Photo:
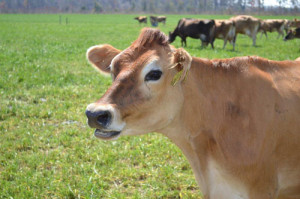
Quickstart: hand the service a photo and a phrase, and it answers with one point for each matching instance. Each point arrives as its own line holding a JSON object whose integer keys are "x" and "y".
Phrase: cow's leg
{"x": 183, "y": 42}
{"x": 264, "y": 192}
{"x": 254, "y": 39}
{"x": 264, "y": 184}
{"x": 212, "y": 44}
{"x": 202, "y": 44}
{"x": 264, "y": 32}
{"x": 280, "y": 33}
{"x": 261, "y": 34}
{"x": 225, "y": 42}
{"x": 233, "y": 45}
{"x": 233, "y": 41}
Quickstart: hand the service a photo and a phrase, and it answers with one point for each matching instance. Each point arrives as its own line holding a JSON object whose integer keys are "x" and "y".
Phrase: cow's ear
{"x": 182, "y": 63}
{"x": 100, "y": 56}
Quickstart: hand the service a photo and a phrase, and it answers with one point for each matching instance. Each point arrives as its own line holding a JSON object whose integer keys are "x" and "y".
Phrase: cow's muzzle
{"x": 105, "y": 120}
{"x": 98, "y": 119}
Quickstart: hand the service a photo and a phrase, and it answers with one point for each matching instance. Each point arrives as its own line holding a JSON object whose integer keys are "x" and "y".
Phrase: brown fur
{"x": 247, "y": 25}
{"x": 236, "y": 120}
{"x": 225, "y": 29}
{"x": 295, "y": 23}
{"x": 271, "y": 25}
{"x": 141, "y": 19}
{"x": 96, "y": 53}
{"x": 148, "y": 38}
{"x": 292, "y": 34}
{"x": 158, "y": 19}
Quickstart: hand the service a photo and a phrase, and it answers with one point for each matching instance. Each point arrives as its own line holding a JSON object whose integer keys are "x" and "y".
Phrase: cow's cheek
{"x": 168, "y": 104}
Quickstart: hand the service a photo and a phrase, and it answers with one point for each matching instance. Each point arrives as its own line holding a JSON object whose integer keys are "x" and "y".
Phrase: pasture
{"x": 46, "y": 148}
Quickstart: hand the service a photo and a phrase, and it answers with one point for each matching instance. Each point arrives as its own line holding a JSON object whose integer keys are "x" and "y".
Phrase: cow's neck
{"x": 177, "y": 134}
{"x": 188, "y": 131}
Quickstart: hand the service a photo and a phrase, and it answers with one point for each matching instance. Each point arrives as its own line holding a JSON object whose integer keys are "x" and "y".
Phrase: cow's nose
{"x": 98, "y": 118}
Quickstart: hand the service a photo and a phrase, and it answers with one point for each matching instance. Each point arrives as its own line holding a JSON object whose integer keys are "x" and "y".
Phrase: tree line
{"x": 149, "y": 6}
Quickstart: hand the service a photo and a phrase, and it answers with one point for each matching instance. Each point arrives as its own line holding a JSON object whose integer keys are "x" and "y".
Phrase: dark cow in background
{"x": 225, "y": 29}
{"x": 272, "y": 25}
{"x": 246, "y": 25}
{"x": 141, "y": 19}
{"x": 157, "y": 19}
{"x": 292, "y": 34}
{"x": 194, "y": 28}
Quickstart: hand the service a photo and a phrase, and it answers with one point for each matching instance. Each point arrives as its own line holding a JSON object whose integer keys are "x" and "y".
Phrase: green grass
{"x": 46, "y": 148}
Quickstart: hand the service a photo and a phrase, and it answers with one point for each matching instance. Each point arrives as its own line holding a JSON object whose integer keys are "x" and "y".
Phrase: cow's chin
{"x": 107, "y": 135}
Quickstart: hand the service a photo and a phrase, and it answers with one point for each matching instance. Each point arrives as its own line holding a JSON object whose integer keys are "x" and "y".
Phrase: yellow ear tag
{"x": 176, "y": 78}
{"x": 180, "y": 76}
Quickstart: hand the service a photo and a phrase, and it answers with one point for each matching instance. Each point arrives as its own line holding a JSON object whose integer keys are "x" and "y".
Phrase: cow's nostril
{"x": 104, "y": 118}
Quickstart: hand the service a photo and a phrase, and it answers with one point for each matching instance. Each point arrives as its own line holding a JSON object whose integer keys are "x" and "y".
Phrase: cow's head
{"x": 172, "y": 37}
{"x": 290, "y": 35}
{"x": 142, "y": 97}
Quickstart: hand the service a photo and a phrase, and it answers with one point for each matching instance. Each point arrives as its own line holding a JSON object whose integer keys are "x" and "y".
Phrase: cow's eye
{"x": 153, "y": 75}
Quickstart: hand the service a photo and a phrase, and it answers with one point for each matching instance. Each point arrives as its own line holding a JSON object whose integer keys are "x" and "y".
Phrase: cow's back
{"x": 246, "y": 24}
{"x": 188, "y": 27}
{"x": 194, "y": 27}
{"x": 275, "y": 24}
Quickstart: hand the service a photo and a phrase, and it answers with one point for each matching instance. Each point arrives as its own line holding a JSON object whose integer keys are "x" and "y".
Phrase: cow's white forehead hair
{"x": 151, "y": 65}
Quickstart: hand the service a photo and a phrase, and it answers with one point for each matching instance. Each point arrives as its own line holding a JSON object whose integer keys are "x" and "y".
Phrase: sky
{"x": 274, "y": 3}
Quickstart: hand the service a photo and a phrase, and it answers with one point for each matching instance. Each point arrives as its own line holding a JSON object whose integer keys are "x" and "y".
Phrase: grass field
{"x": 46, "y": 148}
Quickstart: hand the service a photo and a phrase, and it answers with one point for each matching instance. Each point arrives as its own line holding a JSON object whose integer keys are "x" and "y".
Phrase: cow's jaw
{"x": 107, "y": 135}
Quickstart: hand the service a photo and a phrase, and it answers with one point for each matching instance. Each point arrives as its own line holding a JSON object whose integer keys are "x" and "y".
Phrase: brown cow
{"x": 225, "y": 29}
{"x": 292, "y": 34}
{"x": 141, "y": 19}
{"x": 158, "y": 19}
{"x": 247, "y": 25}
{"x": 236, "y": 120}
{"x": 271, "y": 25}
{"x": 295, "y": 23}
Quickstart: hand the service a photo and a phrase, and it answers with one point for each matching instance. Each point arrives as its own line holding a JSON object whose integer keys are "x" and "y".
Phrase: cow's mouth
{"x": 106, "y": 135}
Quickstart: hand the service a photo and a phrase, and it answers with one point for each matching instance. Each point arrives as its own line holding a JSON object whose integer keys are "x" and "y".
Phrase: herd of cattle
{"x": 207, "y": 30}
{"x": 153, "y": 19}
